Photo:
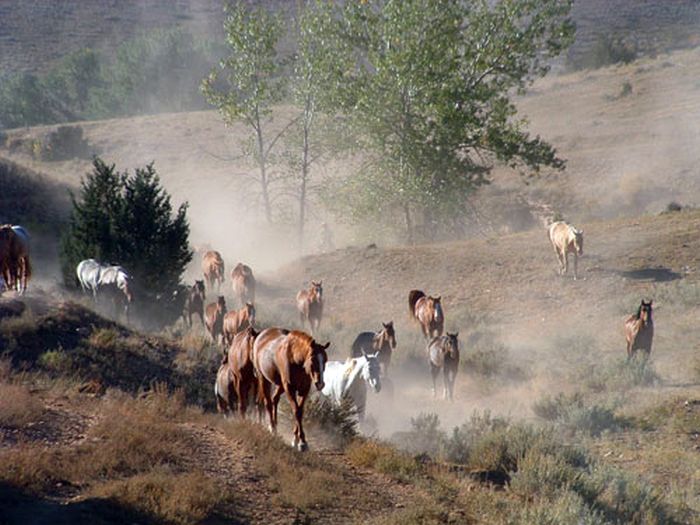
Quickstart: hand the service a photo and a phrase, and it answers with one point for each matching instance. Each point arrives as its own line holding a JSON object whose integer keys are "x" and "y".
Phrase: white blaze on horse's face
{"x": 578, "y": 240}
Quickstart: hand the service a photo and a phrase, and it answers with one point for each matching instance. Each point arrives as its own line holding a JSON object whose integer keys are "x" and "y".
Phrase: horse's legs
{"x": 275, "y": 403}
{"x": 433, "y": 373}
{"x": 575, "y": 266}
{"x": 242, "y": 392}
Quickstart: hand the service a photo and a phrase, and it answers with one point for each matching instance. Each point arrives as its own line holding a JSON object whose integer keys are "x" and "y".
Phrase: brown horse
{"x": 224, "y": 389}
{"x": 194, "y": 303}
{"x": 240, "y": 360}
{"x": 310, "y": 305}
{"x": 214, "y": 318}
{"x": 566, "y": 239}
{"x": 237, "y": 320}
{"x": 382, "y": 342}
{"x": 443, "y": 353}
{"x": 639, "y": 330}
{"x": 428, "y": 312}
{"x": 243, "y": 283}
{"x": 213, "y": 269}
{"x": 15, "y": 265}
{"x": 288, "y": 362}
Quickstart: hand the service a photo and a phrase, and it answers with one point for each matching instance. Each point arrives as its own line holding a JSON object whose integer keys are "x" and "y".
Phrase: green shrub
{"x": 57, "y": 361}
{"x": 566, "y": 508}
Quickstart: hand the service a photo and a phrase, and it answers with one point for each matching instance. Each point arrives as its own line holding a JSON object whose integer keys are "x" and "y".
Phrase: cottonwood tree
{"x": 249, "y": 81}
{"x": 430, "y": 90}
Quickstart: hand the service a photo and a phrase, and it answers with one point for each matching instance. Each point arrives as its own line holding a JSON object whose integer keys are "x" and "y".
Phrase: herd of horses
{"x": 259, "y": 366}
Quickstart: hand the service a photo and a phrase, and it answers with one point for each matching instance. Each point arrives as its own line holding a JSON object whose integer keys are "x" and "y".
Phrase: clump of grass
{"x": 18, "y": 406}
{"x": 174, "y": 498}
{"x": 57, "y": 361}
{"x": 338, "y": 421}
{"x": 104, "y": 339}
{"x": 621, "y": 374}
{"x": 566, "y": 508}
{"x": 485, "y": 357}
{"x": 384, "y": 458}
{"x": 571, "y": 413}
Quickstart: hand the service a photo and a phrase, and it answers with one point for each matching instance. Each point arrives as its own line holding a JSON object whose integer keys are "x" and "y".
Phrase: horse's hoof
{"x": 303, "y": 447}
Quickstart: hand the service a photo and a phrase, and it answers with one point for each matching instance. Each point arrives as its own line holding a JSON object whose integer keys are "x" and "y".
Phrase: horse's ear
{"x": 438, "y": 298}
{"x": 456, "y": 335}
{"x": 326, "y": 345}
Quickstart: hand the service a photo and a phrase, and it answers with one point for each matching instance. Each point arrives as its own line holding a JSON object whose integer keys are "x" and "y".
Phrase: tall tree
{"x": 430, "y": 89}
{"x": 249, "y": 81}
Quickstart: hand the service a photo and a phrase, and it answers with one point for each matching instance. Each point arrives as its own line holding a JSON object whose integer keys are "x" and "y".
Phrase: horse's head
{"x": 644, "y": 312}
{"x": 250, "y": 309}
{"x": 372, "y": 371}
{"x": 452, "y": 347}
{"x": 387, "y": 336}
{"x": 199, "y": 289}
{"x": 437, "y": 308}
{"x": 317, "y": 288}
{"x": 315, "y": 363}
{"x": 578, "y": 241}
{"x": 221, "y": 304}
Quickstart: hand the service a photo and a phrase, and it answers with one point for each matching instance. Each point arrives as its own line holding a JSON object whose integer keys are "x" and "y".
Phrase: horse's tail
{"x": 413, "y": 297}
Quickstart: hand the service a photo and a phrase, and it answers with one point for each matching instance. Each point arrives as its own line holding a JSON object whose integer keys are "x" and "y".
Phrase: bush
{"x": 18, "y": 406}
{"x": 65, "y": 142}
{"x": 573, "y": 415}
{"x": 608, "y": 50}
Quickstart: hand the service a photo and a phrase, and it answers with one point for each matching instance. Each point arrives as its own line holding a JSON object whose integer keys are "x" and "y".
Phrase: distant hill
{"x": 35, "y": 33}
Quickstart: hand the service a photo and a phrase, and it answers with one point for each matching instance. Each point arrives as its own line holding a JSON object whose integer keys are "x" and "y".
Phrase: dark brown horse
{"x": 443, "y": 353}
{"x": 224, "y": 389}
{"x": 243, "y": 283}
{"x": 382, "y": 342}
{"x": 214, "y": 318}
{"x": 428, "y": 312}
{"x": 288, "y": 362}
{"x": 639, "y": 330}
{"x": 310, "y": 305}
{"x": 240, "y": 360}
{"x": 213, "y": 269}
{"x": 237, "y": 320}
{"x": 194, "y": 303}
{"x": 15, "y": 266}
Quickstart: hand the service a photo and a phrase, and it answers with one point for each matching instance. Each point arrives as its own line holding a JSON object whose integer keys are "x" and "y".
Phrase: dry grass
{"x": 384, "y": 458}
{"x": 18, "y": 407}
{"x": 164, "y": 495}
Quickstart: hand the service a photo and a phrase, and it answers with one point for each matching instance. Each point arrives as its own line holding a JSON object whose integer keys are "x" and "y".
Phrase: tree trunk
{"x": 409, "y": 224}
{"x": 263, "y": 171}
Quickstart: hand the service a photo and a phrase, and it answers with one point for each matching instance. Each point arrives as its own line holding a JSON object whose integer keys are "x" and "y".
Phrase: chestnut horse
{"x": 639, "y": 330}
{"x": 443, "y": 353}
{"x": 566, "y": 239}
{"x": 237, "y": 320}
{"x": 243, "y": 283}
{"x": 288, "y": 362}
{"x": 213, "y": 269}
{"x": 428, "y": 312}
{"x": 310, "y": 305}
{"x": 194, "y": 303}
{"x": 240, "y": 361}
{"x": 224, "y": 389}
{"x": 15, "y": 265}
{"x": 214, "y": 318}
{"x": 383, "y": 343}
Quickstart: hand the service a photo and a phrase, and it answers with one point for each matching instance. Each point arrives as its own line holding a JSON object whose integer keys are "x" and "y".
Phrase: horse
{"x": 382, "y": 343}
{"x": 566, "y": 239}
{"x": 224, "y": 389}
{"x": 290, "y": 361}
{"x": 237, "y": 320}
{"x": 240, "y": 361}
{"x": 428, "y": 312}
{"x": 639, "y": 330}
{"x": 194, "y": 303}
{"x": 310, "y": 305}
{"x": 106, "y": 279}
{"x": 243, "y": 283}
{"x": 214, "y": 318}
{"x": 15, "y": 264}
{"x": 351, "y": 378}
{"x": 213, "y": 269}
{"x": 443, "y": 352}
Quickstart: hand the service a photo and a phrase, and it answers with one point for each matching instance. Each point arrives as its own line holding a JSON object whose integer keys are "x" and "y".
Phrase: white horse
{"x": 113, "y": 280}
{"x": 350, "y": 379}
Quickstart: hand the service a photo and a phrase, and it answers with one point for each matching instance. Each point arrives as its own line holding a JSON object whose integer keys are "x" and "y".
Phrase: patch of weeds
{"x": 565, "y": 508}
{"x": 486, "y": 357}
{"x": 56, "y": 361}
{"x": 104, "y": 339}
{"x": 18, "y": 406}
{"x": 621, "y": 374}
{"x": 572, "y": 414}
{"x": 338, "y": 421}
{"x": 383, "y": 458}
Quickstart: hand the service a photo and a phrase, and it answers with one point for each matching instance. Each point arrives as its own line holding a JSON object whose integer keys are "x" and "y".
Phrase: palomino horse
{"x": 194, "y": 303}
{"x": 428, "y": 312}
{"x": 566, "y": 239}
{"x": 224, "y": 389}
{"x": 443, "y": 352}
{"x": 15, "y": 265}
{"x": 237, "y": 320}
{"x": 350, "y": 379}
{"x": 108, "y": 280}
{"x": 240, "y": 361}
{"x": 383, "y": 343}
{"x": 214, "y": 318}
{"x": 639, "y": 330}
{"x": 310, "y": 305}
{"x": 213, "y": 269}
{"x": 289, "y": 362}
{"x": 243, "y": 283}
